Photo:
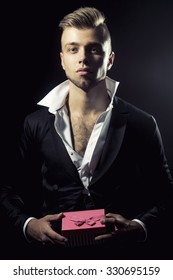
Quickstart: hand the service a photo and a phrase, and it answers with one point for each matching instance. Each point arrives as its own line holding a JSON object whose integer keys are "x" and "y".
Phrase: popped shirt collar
{"x": 56, "y": 98}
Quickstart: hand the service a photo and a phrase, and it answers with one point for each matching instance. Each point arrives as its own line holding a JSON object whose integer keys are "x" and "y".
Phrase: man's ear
{"x": 62, "y": 62}
{"x": 111, "y": 60}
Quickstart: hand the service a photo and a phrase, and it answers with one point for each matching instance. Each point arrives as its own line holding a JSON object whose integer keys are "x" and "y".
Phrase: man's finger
{"x": 56, "y": 237}
{"x": 54, "y": 217}
{"x": 105, "y": 236}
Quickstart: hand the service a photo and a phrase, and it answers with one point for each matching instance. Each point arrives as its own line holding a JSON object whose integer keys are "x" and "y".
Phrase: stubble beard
{"x": 84, "y": 84}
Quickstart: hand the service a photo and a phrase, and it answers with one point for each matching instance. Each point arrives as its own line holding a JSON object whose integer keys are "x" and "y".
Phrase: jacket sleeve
{"x": 19, "y": 194}
{"x": 160, "y": 184}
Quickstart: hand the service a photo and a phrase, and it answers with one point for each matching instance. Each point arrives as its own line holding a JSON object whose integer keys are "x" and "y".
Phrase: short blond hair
{"x": 84, "y": 18}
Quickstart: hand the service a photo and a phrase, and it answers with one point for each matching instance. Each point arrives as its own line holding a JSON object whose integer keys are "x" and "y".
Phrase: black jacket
{"x": 132, "y": 177}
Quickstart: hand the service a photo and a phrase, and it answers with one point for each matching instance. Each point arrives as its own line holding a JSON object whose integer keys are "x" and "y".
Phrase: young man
{"x": 85, "y": 148}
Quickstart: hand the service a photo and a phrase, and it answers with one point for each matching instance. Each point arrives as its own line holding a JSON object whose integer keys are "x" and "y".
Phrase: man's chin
{"x": 84, "y": 84}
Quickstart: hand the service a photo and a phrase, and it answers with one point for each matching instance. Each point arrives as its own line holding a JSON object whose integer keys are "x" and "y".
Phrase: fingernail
{"x": 61, "y": 214}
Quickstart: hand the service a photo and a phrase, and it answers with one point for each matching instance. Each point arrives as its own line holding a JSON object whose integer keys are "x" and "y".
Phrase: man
{"x": 85, "y": 148}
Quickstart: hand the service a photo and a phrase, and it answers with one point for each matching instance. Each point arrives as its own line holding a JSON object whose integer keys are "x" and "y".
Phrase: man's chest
{"x": 81, "y": 130}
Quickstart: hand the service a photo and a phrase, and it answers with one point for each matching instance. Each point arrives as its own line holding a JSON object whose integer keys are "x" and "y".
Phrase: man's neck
{"x": 94, "y": 101}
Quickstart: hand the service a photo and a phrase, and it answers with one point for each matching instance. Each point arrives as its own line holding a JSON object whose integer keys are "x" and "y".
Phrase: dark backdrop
{"x": 30, "y": 66}
{"x": 142, "y": 34}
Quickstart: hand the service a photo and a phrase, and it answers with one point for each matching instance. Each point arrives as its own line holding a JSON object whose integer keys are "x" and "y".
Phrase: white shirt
{"x": 55, "y": 100}
{"x": 86, "y": 164}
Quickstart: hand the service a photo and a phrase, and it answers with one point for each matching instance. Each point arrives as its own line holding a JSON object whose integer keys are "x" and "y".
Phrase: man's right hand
{"x": 41, "y": 230}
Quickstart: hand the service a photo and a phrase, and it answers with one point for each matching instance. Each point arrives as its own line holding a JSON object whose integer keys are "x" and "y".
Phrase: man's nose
{"x": 83, "y": 56}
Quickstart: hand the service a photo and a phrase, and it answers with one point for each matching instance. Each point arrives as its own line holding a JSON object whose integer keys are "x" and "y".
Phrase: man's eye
{"x": 72, "y": 49}
{"x": 96, "y": 50}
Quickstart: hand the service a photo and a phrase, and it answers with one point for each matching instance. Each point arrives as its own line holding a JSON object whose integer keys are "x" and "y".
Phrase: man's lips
{"x": 83, "y": 70}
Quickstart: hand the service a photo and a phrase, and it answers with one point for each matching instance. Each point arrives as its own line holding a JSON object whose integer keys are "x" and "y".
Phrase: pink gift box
{"x": 80, "y": 227}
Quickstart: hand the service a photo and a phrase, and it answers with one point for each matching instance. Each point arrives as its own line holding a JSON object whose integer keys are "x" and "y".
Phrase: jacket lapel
{"x": 114, "y": 139}
{"x": 63, "y": 154}
{"x": 111, "y": 148}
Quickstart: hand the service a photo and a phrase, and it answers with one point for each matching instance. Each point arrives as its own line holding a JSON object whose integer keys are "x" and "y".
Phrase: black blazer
{"x": 132, "y": 177}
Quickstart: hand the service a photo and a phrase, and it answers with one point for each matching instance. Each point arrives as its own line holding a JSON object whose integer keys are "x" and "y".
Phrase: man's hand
{"x": 121, "y": 228}
{"x": 40, "y": 230}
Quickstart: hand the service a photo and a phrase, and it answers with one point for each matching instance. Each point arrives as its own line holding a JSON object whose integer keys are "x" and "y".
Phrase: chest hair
{"x": 81, "y": 129}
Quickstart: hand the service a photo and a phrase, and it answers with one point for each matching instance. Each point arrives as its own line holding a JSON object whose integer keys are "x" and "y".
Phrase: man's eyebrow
{"x": 77, "y": 44}
{"x": 72, "y": 44}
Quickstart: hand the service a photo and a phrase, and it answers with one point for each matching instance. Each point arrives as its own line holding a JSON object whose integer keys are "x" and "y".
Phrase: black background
{"x": 142, "y": 34}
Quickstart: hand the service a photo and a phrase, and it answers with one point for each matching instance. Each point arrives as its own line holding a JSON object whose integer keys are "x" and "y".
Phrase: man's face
{"x": 85, "y": 56}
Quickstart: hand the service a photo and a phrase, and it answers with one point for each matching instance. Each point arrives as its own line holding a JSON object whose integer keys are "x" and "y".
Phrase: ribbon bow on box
{"x": 89, "y": 221}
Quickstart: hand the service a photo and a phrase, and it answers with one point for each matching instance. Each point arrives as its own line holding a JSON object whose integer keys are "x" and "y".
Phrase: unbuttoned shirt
{"x": 55, "y": 100}
{"x": 86, "y": 164}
